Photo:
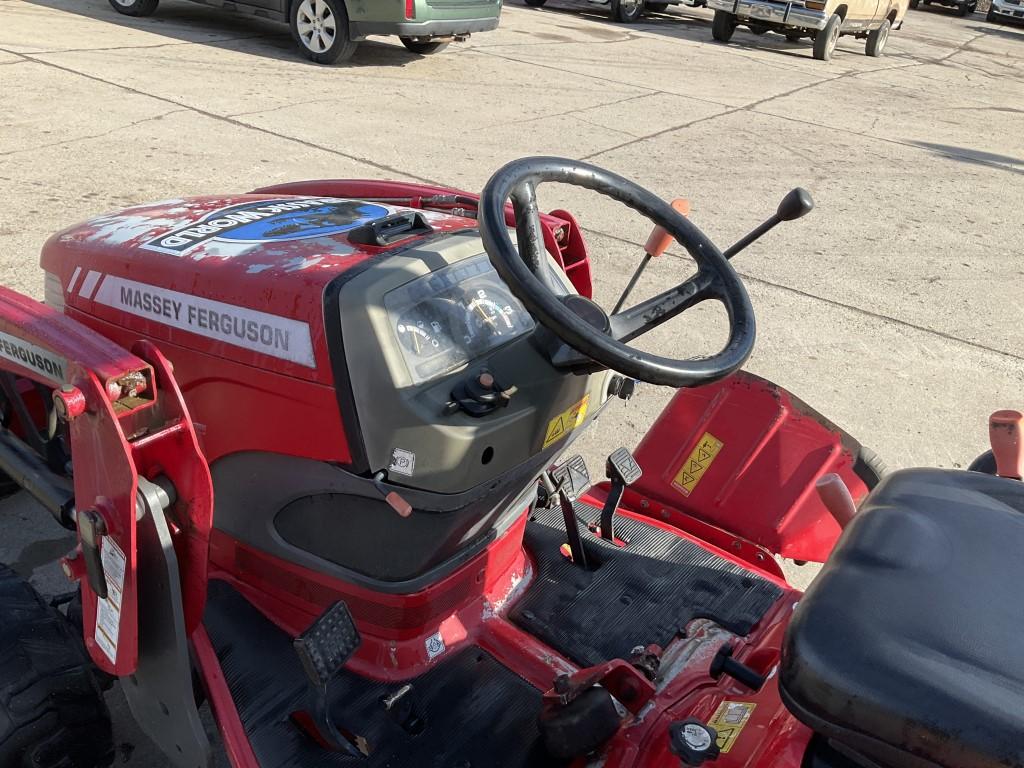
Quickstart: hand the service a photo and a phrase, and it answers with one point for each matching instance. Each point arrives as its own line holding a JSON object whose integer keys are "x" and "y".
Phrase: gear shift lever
{"x": 1006, "y": 434}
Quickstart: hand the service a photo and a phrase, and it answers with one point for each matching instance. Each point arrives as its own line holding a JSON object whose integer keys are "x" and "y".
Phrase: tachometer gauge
{"x": 490, "y": 313}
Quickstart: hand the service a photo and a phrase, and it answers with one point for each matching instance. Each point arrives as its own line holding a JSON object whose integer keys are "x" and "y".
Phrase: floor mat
{"x": 642, "y": 594}
{"x": 475, "y": 712}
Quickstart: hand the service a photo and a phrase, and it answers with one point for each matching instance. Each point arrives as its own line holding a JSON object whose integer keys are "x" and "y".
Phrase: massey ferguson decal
{"x": 262, "y": 221}
{"x": 268, "y": 334}
{"x": 31, "y": 356}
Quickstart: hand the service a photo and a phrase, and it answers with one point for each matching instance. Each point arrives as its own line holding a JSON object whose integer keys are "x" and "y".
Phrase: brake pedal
{"x": 323, "y": 649}
{"x": 571, "y": 480}
{"x": 622, "y": 470}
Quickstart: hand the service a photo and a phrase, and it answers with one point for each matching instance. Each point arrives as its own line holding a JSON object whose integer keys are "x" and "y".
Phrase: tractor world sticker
{"x": 696, "y": 464}
{"x": 261, "y": 332}
{"x": 262, "y": 221}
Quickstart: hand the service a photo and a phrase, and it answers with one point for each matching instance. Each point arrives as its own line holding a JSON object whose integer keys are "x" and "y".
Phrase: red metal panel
{"x": 759, "y": 484}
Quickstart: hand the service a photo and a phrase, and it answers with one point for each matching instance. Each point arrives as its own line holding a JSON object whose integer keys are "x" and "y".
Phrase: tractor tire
{"x": 869, "y": 467}
{"x": 320, "y": 27}
{"x": 424, "y": 48}
{"x": 826, "y": 39}
{"x": 656, "y": 7}
{"x": 627, "y": 11}
{"x": 135, "y": 7}
{"x": 722, "y": 26}
{"x": 52, "y": 714}
{"x": 876, "y": 39}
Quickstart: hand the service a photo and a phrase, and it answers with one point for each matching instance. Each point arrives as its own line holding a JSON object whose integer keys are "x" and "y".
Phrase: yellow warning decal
{"x": 566, "y": 421}
{"x": 697, "y": 463}
{"x": 728, "y": 722}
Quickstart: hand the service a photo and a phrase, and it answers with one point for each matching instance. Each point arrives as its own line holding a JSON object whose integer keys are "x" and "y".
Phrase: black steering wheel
{"x": 579, "y": 322}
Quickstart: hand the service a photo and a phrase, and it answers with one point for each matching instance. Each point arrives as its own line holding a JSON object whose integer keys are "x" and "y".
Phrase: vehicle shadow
{"x": 974, "y": 156}
{"x": 1011, "y": 30}
{"x": 184, "y": 22}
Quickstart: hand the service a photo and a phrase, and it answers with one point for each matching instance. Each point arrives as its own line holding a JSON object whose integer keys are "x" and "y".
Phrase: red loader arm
{"x": 128, "y": 428}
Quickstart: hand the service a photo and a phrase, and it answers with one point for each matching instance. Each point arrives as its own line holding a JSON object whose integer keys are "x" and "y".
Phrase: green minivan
{"x": 328, "y": 31}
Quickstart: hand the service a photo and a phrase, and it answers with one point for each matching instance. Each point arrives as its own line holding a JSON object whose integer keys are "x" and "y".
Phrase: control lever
{"x": 621, "y": 468}
{"x": 1006, "y": 435}
{"x": 796, "y": 204}
{"x": 657, "y": 243}
{"x": 836, "y": 497}
{"x": 393, "y": 499}
{"x": 571, "y": 480}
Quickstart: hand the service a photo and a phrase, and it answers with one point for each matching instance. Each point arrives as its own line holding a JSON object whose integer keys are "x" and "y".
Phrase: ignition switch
{"x": 479, "y": 395}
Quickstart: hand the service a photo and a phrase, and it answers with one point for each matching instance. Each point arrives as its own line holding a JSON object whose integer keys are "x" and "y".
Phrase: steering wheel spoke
{"x": 637, "y": 320}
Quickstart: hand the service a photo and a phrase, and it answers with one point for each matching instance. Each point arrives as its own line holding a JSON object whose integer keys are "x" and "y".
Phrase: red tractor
{"x": 306, "y": 438}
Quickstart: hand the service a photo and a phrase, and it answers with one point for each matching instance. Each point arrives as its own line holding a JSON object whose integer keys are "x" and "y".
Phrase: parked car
{"x": 628, "y": 11}
{"x": 823, "y": 21}
{"x": 963, "y": 7}
{"x": 328, "y": 31}
{"x": 1003, "y": 10}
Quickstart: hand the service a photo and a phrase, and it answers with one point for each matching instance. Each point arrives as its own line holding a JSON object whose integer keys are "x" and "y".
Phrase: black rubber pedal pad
{"x": 328, "y": 643}
{"x": 572, "y": 477}
{"x": 623, "y": 467}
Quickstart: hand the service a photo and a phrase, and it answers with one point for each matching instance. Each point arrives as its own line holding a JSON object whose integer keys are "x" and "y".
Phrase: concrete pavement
{"x": 894, "y": 308}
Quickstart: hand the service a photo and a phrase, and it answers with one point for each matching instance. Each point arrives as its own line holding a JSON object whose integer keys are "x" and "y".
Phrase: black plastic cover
{"x": 909, "y": 646}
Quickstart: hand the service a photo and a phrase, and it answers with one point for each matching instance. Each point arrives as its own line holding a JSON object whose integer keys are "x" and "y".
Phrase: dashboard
{"x": 447, "y": 318}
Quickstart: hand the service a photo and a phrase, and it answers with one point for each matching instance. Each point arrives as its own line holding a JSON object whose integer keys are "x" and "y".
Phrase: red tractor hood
{"x": 239, "y": 277}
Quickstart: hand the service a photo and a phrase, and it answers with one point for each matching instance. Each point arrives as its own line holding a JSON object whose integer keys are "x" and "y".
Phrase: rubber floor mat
{"x": 475, "y": 712}
{"x": 637, "y": 595}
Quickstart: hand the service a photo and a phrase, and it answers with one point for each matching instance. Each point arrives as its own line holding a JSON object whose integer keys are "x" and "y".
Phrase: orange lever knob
{"x": 660, "y": 240}
{"x": 836, "y": 497}
{"x": 1006, "y": 435}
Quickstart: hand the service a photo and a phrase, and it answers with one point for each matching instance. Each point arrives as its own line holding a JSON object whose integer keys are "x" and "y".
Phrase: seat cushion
{"x": 909, "y": 646}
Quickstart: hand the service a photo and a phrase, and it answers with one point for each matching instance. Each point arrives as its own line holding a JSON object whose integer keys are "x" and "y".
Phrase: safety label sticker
{"x": 729, "y": 720}
{"x": 31, "y": 356}
{"x": 262, "y": 221}
{"x": 273, "y": 335}
{"x": 403, "y": 462}
{"x": 566, "y": 421}
{"x": 435, "y": 645}
{"x": 696, "y": 464}
{"x": 108, "y": 611}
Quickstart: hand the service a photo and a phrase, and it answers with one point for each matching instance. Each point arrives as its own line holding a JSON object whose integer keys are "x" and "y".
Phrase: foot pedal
{"x": 571, "y": 480}
{"x": 327, "y": 644}
{"x": 622, "y": 469}
{"x": 323, "y": 649}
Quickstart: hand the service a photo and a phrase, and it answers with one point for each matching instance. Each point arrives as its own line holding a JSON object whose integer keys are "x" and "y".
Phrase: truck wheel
{"x": 876, "y": 39}
{"x": 424, "y": 47}
{"x": 914, "y": 3}
{"x": 826, "y": 39}
{"x": 722, "y": 26}
{"x": 964, "y": 10}
{"x": 627, "y": 11}
{"x": 990, "y": 17}
{"x": 656, "y": 7}
{"x": 320, "y": 27}
{"x": 135, "y": 7}
{"x": 52, "y": 714}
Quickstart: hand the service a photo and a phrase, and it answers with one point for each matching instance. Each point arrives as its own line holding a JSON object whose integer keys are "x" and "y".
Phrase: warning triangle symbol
{"x": 688, "y": 478}
{"x": 694, "y": 466}
{"x": 703, "y": 454}
{"x": 556, "y": 430}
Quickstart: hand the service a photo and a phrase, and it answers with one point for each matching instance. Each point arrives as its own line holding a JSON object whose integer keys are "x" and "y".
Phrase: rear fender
{"x": 743, "y": 454}
{"x": 126, "y": 420}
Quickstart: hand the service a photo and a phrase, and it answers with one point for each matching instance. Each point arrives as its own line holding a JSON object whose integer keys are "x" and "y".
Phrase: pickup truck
{"x": 823, "y": 21}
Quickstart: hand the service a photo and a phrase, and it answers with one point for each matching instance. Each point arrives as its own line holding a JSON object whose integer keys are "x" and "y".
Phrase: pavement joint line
{"x": 154, "y": 46}
{"x": 839, "y": 304}
{"x": 578, "y": 110}
{"x": 229, "y": 120}
{"x": 77, "y": 139}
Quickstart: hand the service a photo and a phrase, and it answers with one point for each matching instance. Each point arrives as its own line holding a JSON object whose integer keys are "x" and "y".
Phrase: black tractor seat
{"x": 908, "y": 649}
